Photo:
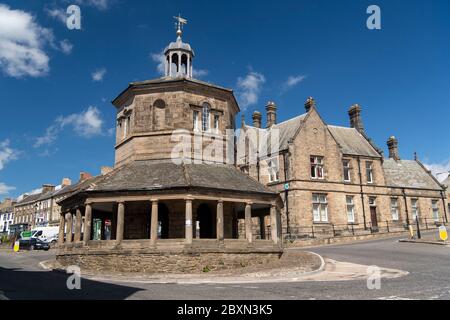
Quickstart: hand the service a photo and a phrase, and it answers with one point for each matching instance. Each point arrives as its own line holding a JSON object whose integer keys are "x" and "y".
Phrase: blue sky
{"x": 56, "y": 89}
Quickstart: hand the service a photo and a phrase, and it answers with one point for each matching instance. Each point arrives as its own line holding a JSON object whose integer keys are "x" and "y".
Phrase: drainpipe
{"x": 406, "y": 206}
{"x": 362, "y": 193}
{"x": 286, "y": 195}
{"x": 445, "y": 207}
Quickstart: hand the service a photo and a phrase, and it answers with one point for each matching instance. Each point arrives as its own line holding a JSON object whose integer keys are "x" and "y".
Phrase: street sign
{"x": 286, "y": 186}
{"x": 443, "y": 233}
{"x": 26, "y": 234}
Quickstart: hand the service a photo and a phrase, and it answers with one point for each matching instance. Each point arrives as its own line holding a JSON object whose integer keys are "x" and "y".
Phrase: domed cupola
{"x": 179, "y": 55}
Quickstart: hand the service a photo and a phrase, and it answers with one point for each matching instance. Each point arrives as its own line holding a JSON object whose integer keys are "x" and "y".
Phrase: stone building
{"x": 6, "y": 215}
{"x": 163, "y": 210}
{"x": 332, "y": 176}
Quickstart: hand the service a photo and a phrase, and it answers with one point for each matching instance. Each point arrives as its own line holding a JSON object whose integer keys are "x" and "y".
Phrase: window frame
{"x": 320, "y": 201}
{"x": 347, "y": 169}
{"x": 415, "y": 211}
{"x": 369, "y": 172}
{"x": 395, "y": 214}
{"x": 350, "y": 205}
{"x": 195, "y": 120}
{"x": 317, "y": 167}
{"x": 206, "y": 117}
{"x": 216, "y": 121}
{"x": 435, "y": 210}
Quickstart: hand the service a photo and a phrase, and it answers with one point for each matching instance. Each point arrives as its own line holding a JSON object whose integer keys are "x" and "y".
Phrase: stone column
{"x": 154, "y": 223}
{"x": 219, "y": 220}
{"x": 248, "y": 222}
{"x": 274, "y": 223}
{"x": 87, "y": 223}
{"x": 62, "y": 224}
{"x": 170, "y": 65}
{"x": 120, "y": 222}
{"x": 69, "y": 227}
{"x": 188, "y": 66}
{"x": 78, "y": 217}
{"x": 189, "y": 222}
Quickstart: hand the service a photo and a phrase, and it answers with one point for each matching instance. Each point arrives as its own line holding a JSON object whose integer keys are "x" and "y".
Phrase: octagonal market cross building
{"x": 154, "y": 213}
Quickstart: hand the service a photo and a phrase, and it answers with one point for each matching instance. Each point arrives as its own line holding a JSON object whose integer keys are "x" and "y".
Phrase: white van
{"x": 46, "y": 234}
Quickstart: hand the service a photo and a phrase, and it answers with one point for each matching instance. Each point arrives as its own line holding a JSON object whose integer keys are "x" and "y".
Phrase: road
{"x": 428, "y": 267}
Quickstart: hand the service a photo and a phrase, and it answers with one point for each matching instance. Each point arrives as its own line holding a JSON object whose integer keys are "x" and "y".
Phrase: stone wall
{"x": 165, "y": 262}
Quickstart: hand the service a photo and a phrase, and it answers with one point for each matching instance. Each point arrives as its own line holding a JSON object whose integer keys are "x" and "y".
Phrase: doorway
{"x": 207, "y": 222}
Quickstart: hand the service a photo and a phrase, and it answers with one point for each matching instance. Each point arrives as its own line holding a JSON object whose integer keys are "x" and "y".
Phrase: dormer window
{"x": 206, "y": 110}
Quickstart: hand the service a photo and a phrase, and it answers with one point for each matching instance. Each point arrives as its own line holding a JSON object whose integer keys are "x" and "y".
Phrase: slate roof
{"x": 408, "y": 174}
{"x": 352, "y": 142}
{"x": 148, "y": 175}
{"x": 447, "y": 184}
{"x": 287, "y": 130}
{"x": 29, "y": 199}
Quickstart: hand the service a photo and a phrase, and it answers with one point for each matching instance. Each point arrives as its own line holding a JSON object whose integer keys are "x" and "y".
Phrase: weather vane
{"x": 179, "y": 24}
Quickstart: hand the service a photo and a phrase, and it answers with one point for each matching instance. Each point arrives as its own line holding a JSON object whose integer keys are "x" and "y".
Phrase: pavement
{"x": 406, "y": 270}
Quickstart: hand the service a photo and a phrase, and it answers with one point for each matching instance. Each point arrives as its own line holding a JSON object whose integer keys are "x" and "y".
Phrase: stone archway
{"x": 207, "y": 222}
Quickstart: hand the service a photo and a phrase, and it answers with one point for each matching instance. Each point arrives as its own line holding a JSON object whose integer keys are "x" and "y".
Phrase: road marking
{"x": 2, "y": 296}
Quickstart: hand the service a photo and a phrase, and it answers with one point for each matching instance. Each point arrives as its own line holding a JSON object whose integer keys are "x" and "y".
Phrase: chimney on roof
{"x": 84, "y": 176}
{"x": 105, "y": 170}
{"x": 271, "y": 112}
{"x": 257, "y": 118}
{"x": 355, "y": 118}
{"x": 393, "y": 148}
{"x": 46, "y": 188}
{"x": 242, "y": 120}
{"x": 66, "y": 182}
{"x": 310, "y": 102}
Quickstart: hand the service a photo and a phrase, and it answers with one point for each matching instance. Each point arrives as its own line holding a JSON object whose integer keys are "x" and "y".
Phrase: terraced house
{"x": 333, "y": 177}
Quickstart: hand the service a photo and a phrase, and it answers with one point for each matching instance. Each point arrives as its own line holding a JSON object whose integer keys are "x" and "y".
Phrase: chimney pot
{"x": 393, "y": 148}
{"x": 84, "y": 176}
{"x": 355, "y": 118}
{"x": 257, "y": 117}
{"x": 105, "y": 170}
{"x": 271, "y": 112}
{"x": 66, "y": 182}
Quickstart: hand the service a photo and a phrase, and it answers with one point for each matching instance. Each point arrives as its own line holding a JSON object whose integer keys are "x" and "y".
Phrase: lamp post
{"x": 443, "y": 195}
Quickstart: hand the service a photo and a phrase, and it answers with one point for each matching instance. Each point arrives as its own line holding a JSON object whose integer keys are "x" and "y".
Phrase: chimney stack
{"x": 271, "y": 112}
{"x": 257, "y": 117}
{"x": 84, "y": 176}
{"x": 46, "y": 188}
{"x": 66, "y": 182}
{"x": 393, "y": 148}
{"x": 310, "y": 102}
{"x": 355, "y": 118}
{"x": 105, "y": 170}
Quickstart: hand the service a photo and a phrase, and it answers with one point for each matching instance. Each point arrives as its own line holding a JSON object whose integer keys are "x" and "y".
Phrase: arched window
{"x": 205, "y": 116}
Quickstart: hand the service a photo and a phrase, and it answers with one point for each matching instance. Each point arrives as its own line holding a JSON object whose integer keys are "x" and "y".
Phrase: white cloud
{"x": 21, "y": 44}
{"x": 98, "y": 75}
{"x": 7, "y": 153}
{"x": 292, "y": 81}
{"x": 65, "y": 46}
{"x": 5, "y": 189}
{"x": 58, "y": 14}
{"x": 199, "y": 73}
{"x": 99, "y": 4}
{"x": 87, "y": 124}
{"x": 439, "y": 170}
{"x": 249, "y": 88}
{"x": 160, "y": 60}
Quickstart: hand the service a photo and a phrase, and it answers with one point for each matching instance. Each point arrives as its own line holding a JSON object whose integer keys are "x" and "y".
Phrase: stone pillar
{"x": 274, "y": 223}
{"x": 87, "y": 223}
{"x": 189, "y": 222}
{"x": 62, "y": 224}
{"x": 154, "y": 223}
{"x": 219, "y": 220}
{"x": 248, "y": 223}
{"x": 188, "y": 66}
{"x": 120, "y": 222}
{"x": 69, "y": 227}
{"x": 170, "y": 65}
{"x": 78, "y": 222}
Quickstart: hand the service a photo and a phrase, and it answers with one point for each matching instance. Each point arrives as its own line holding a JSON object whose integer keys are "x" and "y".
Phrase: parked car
{"x": 33, "y": 244}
